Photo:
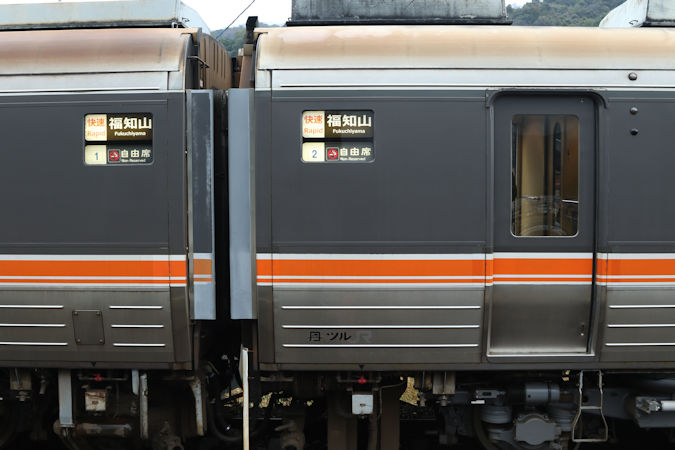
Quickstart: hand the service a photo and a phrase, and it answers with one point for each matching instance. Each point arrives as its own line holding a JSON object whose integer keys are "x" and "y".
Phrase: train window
{"x": 545, "y": 175}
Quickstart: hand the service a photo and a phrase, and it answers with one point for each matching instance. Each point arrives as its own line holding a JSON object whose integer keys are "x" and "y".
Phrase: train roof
{"x": 99, "y": 14}
{"x": 465, "y": 47}
{"x": 136, "y": 58}
{"x": 86, "y": 51}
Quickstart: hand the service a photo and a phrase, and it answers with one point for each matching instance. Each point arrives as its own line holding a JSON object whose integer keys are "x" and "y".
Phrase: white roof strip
{"x": 465, "y": 47}
{"x": 117, "y": 13}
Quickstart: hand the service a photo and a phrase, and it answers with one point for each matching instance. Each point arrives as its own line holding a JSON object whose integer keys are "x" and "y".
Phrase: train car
{"x": 111, "y": 119}
{"x": 477, "y": 215}
{"x": 485, "y": 209}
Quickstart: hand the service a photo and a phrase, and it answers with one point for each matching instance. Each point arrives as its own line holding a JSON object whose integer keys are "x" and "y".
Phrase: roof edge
{"x": 100, "y": 14}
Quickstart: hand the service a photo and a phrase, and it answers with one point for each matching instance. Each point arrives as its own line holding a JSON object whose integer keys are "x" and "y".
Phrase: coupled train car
{"x": 481, "y": 205}
{"x": 479, "y": 216}
{"x": 107, "y": 261}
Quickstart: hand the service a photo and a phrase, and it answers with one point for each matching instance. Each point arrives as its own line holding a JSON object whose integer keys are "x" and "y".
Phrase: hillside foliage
{"x": 585, "y": 13}
{"x": 233, "y": 38}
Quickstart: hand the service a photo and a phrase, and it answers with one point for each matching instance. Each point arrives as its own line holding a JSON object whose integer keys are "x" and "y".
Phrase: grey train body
{"x": 475, "y": 215}
{"x": 508, "y": 229}
{"x": 107, "y": 251}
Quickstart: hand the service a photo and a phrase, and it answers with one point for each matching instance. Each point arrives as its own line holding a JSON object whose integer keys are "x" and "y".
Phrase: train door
{"x": 544, "y": 214}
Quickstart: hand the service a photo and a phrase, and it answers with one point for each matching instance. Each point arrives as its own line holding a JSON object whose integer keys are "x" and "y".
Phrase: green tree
{"x": 585, "y": 13}
{"x": 234, "y": 38}
{"x": 234, "y": 41}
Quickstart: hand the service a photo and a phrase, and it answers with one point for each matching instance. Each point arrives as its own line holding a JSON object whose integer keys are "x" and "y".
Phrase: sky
{"x": 220, "y": 13}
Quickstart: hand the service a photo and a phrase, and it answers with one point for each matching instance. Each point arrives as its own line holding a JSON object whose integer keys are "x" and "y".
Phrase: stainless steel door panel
{"x": 548, "y": 325}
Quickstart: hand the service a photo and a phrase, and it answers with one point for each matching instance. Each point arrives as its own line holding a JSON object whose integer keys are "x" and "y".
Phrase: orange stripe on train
{"x": 504, "y": 269}
{"x": 318, "y": 267}
{"x": 370, "y": 281}
{"x": 552, "y": 266}
{"x": 628, "y": 267}
{"x": 85, "y": 281}
{"x": 129, "y": 268}
{"x": 202, "y": 267}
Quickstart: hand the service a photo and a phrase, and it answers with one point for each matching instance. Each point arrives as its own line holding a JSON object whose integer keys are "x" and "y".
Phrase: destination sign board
{"x": 118, "y": 127}
{"x": 335, "y": 136}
